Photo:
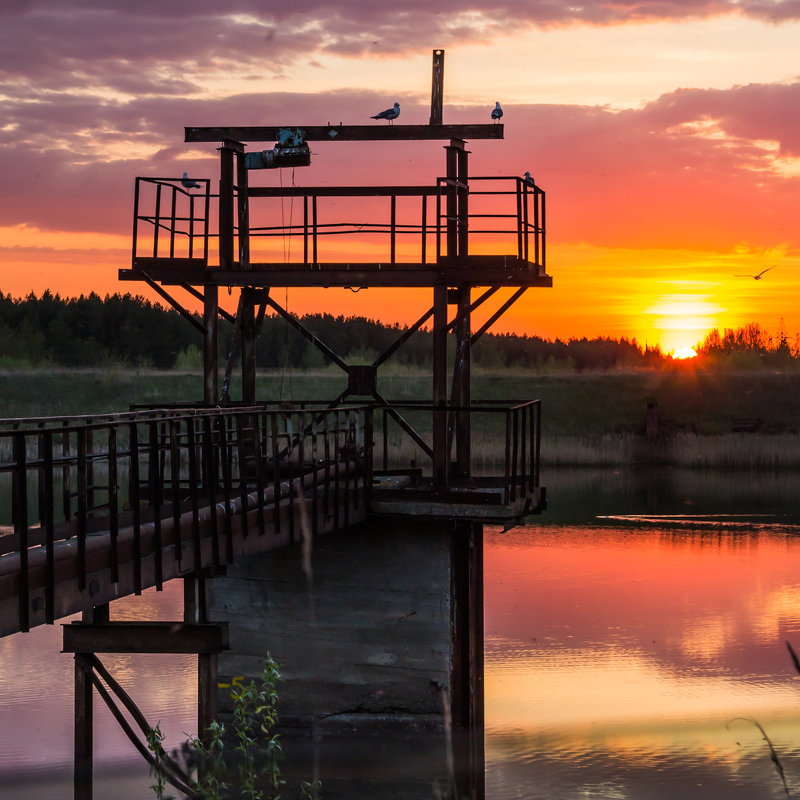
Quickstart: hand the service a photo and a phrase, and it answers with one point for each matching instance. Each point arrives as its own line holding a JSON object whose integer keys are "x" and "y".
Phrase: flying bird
{"x": 497, "y": 112}
{"x": 760, "y": 274}
{"x": 389, "y": 114}
{"x": 529, "y": 179}
{"x": 189, "y": 183}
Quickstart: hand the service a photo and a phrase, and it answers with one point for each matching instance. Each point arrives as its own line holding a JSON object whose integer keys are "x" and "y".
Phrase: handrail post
{"x": 20, "y": 513}
{"x": 135, "y": 220}
{"x": 369, "y": 447}
{"x": 393, "y": 229}
{"x": 538, "y": 443}
{"x": 507, "y": 460}
{"x": 47, "y": 522}
{"x": 157, "y": 220}
{"x": 385, "y": 440}
{"x": 113, "y": 504}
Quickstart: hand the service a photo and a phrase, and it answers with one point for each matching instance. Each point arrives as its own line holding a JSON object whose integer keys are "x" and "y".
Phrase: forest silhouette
{"x": 128, "y": 330}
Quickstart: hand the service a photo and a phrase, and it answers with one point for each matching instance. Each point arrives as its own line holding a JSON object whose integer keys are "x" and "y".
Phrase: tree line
{"x": 129, "y": 330}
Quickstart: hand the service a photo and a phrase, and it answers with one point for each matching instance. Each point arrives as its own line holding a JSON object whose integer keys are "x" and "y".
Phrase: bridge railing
{"x": 504, "y": 446}
{"x": 505, "y": 442}
{"x": 147, "y": 481}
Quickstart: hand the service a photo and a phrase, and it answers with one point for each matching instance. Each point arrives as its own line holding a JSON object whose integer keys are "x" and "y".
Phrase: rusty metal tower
{"x": 174, "y": 246}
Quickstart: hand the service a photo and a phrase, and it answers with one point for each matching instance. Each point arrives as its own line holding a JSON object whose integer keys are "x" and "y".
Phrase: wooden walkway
{"x": 100, "y": 507}
{"x": 107, "y": 506}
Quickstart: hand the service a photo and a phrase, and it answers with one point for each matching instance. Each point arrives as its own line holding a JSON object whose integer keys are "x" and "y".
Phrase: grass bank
{"x": 592, "y": 419}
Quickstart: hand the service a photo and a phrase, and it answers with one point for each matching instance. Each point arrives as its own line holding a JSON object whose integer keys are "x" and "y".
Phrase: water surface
{"x": 632, "y": 634}
{"x": 629, "y": 652}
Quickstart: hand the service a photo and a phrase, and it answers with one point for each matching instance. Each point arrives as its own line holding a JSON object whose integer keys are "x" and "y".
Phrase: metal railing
{"x": 505, "y": 441}
{"x": 170, "y": 220}
{"x": 171, "y": 223}
{"x": 510, "y": 438}
{"x": 167, "y": 484}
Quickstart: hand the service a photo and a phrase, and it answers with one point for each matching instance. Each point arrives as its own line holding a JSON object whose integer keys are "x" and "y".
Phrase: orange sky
{"x": 666, "y": 136}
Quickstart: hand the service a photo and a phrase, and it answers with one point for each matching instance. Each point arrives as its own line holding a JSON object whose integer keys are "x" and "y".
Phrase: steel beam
{"x": 185, "y": 313}
{"x": 145, "y": 637}
{"x": 344, "y": 133}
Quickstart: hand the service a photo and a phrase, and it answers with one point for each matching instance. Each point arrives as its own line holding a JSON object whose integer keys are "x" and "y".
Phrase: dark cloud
{"x": 156, "y": 47}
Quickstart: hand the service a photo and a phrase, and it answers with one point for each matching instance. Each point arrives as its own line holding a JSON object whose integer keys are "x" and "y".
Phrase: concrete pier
{"x": 365, "y": 633}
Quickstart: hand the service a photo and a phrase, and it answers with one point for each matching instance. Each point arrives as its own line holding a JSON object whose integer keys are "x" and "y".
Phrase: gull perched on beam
{"x": 529, "y": 179}
{"x": 760, "y": 274}
{"x": 389, "y": 114}
{"x": 189, "y": 183}
{"x": 497, "y": 112}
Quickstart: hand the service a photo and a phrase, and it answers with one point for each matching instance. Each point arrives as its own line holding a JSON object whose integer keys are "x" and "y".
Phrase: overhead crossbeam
{"x": 344, "y": 133}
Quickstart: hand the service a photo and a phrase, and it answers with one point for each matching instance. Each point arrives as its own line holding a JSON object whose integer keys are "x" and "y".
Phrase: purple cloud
{"x": 156, "y": 47}
{"x": 649, "y": 177}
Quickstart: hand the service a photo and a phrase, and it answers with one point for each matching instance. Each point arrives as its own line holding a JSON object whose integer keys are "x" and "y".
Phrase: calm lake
{"x": 635, "y": 641}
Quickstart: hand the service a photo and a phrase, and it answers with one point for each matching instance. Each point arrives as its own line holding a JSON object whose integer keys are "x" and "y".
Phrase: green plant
{"x": 154, "y": 738}
{"x": 256, "y": 750}
{"x": 208, "y": 755}
{"x": 255, "y": 714}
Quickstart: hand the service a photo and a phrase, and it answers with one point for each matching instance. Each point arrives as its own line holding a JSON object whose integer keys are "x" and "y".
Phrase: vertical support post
{"x": 441, "y": 455}
{"x": 437, "y": 87}
{"x": 462, "y": 169}
{"x": 243, "y": 210}
{"x": 84, "y": 716}
{"x": 195, "y": 611}
{"x": 466, "y": 678}
{"x": 19, "y": 511}
{"x": 461, "y": 381}
{"x": 84, "y": 724}
{"x": 248, "y": 330}
{"x": 210, "y": 344}
{"x": 226, "y": 153}
{"x": 451, "y": 199}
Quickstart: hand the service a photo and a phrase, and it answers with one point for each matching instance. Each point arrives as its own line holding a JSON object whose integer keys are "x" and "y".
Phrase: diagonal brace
{"x": 174, "y": 303}
{"x": 303, "y": 331}
{"x": 497, "y": 314}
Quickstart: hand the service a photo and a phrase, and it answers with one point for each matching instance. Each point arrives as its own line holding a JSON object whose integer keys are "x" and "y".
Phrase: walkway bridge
{"x": 99, "y": 507}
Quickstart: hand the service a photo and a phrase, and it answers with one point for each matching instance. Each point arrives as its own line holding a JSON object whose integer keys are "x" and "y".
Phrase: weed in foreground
{"x": 200, "y": 765}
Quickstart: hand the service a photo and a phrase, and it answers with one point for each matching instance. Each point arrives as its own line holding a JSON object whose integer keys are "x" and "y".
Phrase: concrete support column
{"x": 466, "y": 678}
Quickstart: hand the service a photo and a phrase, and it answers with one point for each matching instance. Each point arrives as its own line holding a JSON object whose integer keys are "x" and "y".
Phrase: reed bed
{"x": 731, "y": 450}
{"x": 728, "y": 451}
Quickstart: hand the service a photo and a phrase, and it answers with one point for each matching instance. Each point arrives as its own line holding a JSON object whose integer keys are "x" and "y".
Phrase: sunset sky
{"x": 666, "y": 134}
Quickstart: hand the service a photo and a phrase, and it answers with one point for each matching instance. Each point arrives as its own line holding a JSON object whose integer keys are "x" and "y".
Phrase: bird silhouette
{"x": 389, "y": 114}
{"x": 529, "y": 179}
{"x": 497, "y": 112}
{"x": 760, "y": 274}
{"x": 189, "y": 183}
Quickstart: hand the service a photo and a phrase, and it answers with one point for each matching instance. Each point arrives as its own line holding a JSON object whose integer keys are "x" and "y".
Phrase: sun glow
{"x": 684, "y": 352}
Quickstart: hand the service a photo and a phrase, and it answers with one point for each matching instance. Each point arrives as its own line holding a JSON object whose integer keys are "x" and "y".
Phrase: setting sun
{"x": 684, "y": 352}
